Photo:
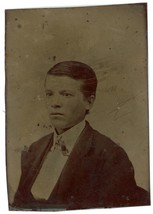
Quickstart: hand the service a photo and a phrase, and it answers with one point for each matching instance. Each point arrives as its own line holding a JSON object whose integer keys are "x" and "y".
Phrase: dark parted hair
{"x": 77, "y": 71}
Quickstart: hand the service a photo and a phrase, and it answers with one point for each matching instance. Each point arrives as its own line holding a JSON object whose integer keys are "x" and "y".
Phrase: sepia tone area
{"x": 113, "y": 41}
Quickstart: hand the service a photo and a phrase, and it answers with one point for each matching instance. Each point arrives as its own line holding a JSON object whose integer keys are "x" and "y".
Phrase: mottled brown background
{"x": 112, "y": 40}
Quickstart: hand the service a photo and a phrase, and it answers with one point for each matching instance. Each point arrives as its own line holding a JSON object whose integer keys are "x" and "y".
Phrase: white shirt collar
{"x": 71, "y": 135}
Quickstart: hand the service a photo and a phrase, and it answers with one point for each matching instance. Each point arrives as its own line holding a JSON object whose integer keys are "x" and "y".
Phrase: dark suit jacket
{"x": 97, "y": 174}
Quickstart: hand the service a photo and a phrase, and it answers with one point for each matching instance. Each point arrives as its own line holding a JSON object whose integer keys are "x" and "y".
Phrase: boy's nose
{"x": 56, "y": 102}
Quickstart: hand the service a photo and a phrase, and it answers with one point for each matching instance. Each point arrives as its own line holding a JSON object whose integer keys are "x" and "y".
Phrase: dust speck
{"x": 19, "y": 26}
{"x": 54, "y": 58}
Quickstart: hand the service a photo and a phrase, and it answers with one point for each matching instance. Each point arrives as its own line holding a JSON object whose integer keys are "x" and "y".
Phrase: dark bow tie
{"x": 61, "y": 146}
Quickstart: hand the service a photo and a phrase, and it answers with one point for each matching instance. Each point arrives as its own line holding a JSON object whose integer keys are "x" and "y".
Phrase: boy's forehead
{"x": 53, "y": 81}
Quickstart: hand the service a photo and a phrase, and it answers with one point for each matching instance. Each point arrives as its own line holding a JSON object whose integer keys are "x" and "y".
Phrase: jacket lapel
{"x": 32, "y": 161}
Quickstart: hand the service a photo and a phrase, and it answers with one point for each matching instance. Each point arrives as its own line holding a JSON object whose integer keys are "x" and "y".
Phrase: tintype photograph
{"x": 77, "y": 107}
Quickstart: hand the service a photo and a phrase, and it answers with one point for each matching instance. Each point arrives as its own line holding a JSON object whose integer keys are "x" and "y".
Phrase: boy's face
{"x": 65, "y": 101}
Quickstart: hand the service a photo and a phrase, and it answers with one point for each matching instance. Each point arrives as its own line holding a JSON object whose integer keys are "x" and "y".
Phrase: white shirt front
{"x": 55, "y": 162}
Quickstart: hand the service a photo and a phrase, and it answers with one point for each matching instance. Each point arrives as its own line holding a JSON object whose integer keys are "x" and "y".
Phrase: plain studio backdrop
{"x": 110, "y": 39}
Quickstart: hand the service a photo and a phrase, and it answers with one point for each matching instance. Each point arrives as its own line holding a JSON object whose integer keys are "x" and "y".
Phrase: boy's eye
{"x": 66, "y": 94}
{"x": 48, "y": 94}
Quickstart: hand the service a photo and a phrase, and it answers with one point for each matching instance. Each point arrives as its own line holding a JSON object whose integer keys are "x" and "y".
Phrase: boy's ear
{"x": 90, "y": 101}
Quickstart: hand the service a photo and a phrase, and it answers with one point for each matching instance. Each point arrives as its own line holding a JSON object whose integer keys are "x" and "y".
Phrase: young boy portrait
{"x": 77, "y": 107}
{"x": 75, "y": 167}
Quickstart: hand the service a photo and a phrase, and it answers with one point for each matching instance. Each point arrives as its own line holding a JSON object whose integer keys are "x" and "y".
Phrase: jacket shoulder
{"x": 35, "y": 150}
{"x": 102, "y": 141}
{"x": 107, "y": 146}
{"x": 41, "y": 142}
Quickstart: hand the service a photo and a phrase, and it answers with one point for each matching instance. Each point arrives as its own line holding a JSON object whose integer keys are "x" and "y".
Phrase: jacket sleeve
{"x": 23, "y": 195}
{"x": 118, "y": 186}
